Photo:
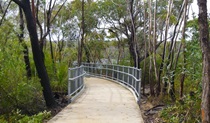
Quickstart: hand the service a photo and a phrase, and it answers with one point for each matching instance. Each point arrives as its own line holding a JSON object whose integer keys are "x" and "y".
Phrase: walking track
{"x": 101, "y": 102}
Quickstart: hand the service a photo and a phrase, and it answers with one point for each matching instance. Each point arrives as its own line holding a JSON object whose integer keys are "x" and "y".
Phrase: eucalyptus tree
{"x": 165, "y": 25}
{"x": 204, "y": 41}
{"x": 84, "y": 20}
{"x": 81, "y": 42}
{"x": 124, "y": 17}
{"x": 4, "y": 11}
{"x": 21, "y": 39}
{"x": 39, "y": 63}
{"x": 183, "y": 46}
{"x": 45, "y": 14}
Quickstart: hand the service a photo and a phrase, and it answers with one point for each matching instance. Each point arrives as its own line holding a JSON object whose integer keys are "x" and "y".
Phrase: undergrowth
{"x": 17, "y": 117}
{"x": 186, "y": 110}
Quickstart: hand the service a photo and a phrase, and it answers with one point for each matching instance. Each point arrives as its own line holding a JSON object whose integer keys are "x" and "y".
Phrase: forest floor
{"x": 149, "y": 118}
{"x": 150, "y": 108}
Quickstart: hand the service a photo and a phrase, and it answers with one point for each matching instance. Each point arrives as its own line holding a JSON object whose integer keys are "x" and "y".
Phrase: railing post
{"x": 136, "y": 71}
{"x": 101, "y": 70}
{"x": 95, "y": 69}
{"x": 123, "y": 70}
{"x": 128, "y": 75}
{"x": 69, "y": 82}
{"x": 117, "y": 73}
{"x": 82, "y": 71}
{"x": 76, "y": 81}
{"x": 113, "y": 72}
{"x": 90, "y": 72}
{"x": 106, "y": 71}
{"x": 133, "y": 75}
{"x": 139, "y": 89}
{"x": 80, "y": 79}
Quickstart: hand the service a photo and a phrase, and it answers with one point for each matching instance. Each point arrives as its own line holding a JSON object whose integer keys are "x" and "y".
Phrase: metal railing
{"x": 125, "y": 75}
{"x": 75, "y": 82}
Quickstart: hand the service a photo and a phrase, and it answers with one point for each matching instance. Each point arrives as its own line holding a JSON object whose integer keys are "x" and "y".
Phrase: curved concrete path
{"x": 102, "y": 102}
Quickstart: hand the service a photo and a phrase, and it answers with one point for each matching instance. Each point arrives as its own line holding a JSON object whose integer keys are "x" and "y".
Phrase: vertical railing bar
{"x": 136, "y": 72}
{"x": 128, "y": 75}
{"x": 76, "y": 81}
{"x": 139, "y": 98}
{"x": 69, "y": 84}
{"x": 117, "y": 73}
{"x": 82, "y": 76}
{"x": 132, "y": 77}
{"x": 123, "y": 74}
{"x": 112, "y": 72}
{"x": 101, "y": 69}
{"x": 95, "y": 70}
{"x": 106, "y": 70}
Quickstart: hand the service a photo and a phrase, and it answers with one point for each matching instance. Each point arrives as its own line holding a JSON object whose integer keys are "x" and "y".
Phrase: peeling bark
{"x": 205, "y": 46}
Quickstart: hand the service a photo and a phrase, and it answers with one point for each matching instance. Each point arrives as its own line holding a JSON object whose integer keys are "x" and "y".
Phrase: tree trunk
{"x": 184, "y": 51}
{"x": 205, "y": 46}
{"x": 154, "y": 42}
{"x": 25, "y": 51}
{"x": 145, "y": 50}
{"x": 133, "y": 45}
{"x": 81, "y": 43}
{"x": 151, "y": 80}
{"x": 40, "y": 67}
{"x": 87, "y": 53}
{"x": 165, "y": 41}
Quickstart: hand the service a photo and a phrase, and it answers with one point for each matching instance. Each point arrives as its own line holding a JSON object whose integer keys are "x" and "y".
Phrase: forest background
{"x": 40, "y": 40}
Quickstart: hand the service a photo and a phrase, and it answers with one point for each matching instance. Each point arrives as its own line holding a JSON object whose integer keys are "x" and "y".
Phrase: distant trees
{"x": 124, "y": 19}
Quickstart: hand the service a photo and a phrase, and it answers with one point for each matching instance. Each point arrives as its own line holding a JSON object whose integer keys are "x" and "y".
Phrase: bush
{"x": 16, "y": 90}
{"x": 186, "y": 110}
{"x": 17, "y": 117}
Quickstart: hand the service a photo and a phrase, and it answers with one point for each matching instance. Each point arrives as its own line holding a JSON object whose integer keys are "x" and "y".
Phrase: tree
{"x": 205, "y": 46}
{"x": 81, "y": 43}
{"x": 85, "y": 18}
{"x": 47, "y": 21}
{"x": 183, "y": 44}
{"x": 39, "y": 63}
{"x": 25, "y": 51}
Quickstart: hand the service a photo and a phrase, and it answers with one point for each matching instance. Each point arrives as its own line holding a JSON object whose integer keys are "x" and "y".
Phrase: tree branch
{"x": 58, "y": 11}
{"x": 19, "y": 3}
{"x": 5, "y": 13}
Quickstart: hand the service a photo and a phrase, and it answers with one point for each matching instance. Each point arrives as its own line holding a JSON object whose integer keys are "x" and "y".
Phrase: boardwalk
{"x": 101, "y": 102}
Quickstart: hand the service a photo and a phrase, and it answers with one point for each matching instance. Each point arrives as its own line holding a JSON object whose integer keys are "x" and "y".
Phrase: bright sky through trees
{"x": 194, "y": 8}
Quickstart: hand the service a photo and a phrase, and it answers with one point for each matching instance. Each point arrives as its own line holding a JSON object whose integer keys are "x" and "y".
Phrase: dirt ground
{"x": 151, "y": 107}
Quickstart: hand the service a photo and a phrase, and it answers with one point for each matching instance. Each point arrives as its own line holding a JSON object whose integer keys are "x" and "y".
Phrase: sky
{"x": 194, "y": 8}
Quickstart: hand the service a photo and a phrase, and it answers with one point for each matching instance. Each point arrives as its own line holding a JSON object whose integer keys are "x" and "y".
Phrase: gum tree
{"x": 205, "y": 46}
{"x": 37, "y": 55}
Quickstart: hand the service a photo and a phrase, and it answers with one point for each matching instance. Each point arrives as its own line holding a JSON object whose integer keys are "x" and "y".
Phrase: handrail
{"x": 121, "y": 72}
{"x": 129, "y": 77}
{"x": 75, "y": 82}
{"x": 77, "y": 76}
